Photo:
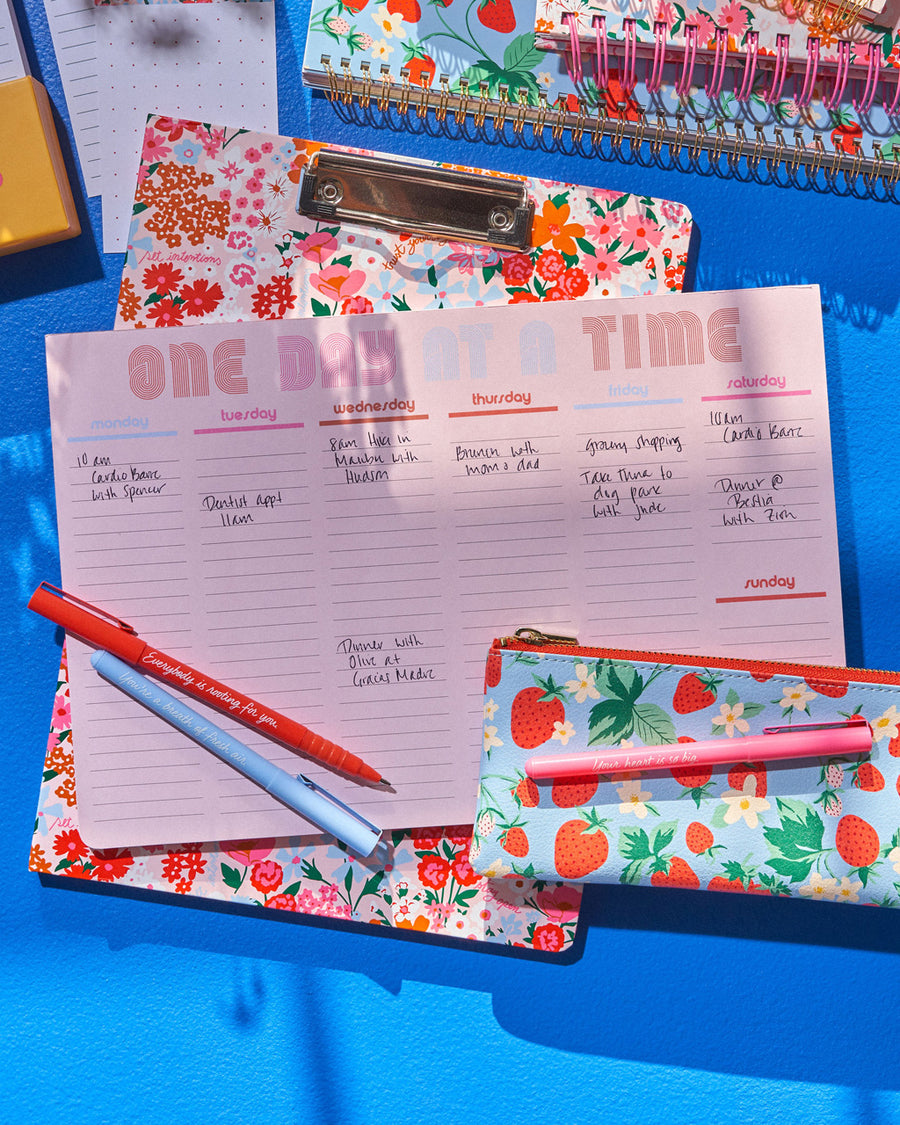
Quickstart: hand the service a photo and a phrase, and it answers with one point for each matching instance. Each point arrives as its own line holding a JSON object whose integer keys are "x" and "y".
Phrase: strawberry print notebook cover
{"x": 215, "y": 236}
{"x": 824, "y": 829}
{"x": 429, "y": 887}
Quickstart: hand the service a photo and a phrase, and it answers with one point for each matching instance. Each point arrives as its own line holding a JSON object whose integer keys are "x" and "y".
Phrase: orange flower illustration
{"x": 553, "y": 226}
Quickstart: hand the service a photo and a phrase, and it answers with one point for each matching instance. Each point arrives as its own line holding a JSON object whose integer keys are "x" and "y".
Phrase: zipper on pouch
{"x": 528, "y": 639}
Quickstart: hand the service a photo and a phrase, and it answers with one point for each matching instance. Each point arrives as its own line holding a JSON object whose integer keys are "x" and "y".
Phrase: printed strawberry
{"x": 856, "y": 841}
{"x": 869, "y": 778}
{"x": 353, "y": 6}
{"x": 527, "y": 793}
{"x": 694, "y": 692}
{"x": 698, "y": 837}
{"x": 493, "y": 669}
{"x": 833, "y": 805}
{"x": 833, "y": 688}
{"x": 575, "y": 791}
{"x": 736, "y": 886}
{"x": 407, "y": 9}
{"x": 834, "y": 775}
{"x": 762, "y": 677}
{"x": 498, "y": 15}
{"x": 580, "y": 846}
{"x": 515, "y": 841}
{"x": 894, "y": 746}
{"x": 679, "y": 874}
{"x": 421, "y": 68}
{"x": 739, "y": 774}
{"x": 535, "y": 712}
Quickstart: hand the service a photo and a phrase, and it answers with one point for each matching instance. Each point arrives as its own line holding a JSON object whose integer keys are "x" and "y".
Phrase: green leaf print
{"x": 652, "y": 725}
{"x": 796, "y": 845}
{"x": 522, "y": 54}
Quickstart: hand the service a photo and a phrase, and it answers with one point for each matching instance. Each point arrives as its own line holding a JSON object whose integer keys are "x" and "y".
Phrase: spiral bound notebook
{"x": 744, "y": 91}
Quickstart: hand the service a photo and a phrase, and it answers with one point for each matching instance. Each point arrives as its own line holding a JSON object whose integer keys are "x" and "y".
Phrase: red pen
{"x": 101, "y": 630}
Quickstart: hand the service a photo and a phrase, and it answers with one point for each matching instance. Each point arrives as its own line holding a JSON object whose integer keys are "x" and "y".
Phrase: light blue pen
{"x": 298, "y": 793}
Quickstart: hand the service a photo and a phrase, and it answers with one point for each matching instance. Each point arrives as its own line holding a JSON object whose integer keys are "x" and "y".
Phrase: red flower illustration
{"x": 550, "y": 265}
{"x": 166, "y": 313}
{"x": 266, "y": 875}
{"x": 282, "y": 902}
{"x": 434, "y": 871}
{"x": 70, "y": 845}
{"x": 523, "y": 297}
{"x": 426, "y": 838}
{"x": 109, "y": 866}
{"x": 462, "y": 871}
{"x": 357, "y": 304}
{"x": 517, "y": 268}
{"x": 548, "y": 937}
{"x": 201, "y": 297}
{"x": 164, "y": 278}
{"x": 574, "y": 282}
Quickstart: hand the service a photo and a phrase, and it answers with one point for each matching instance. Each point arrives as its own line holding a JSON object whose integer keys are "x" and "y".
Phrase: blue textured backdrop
{"x": 678, "y": 1007}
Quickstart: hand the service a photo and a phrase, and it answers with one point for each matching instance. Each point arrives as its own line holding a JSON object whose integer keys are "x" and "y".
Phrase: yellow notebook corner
{"x": 36, "y": 204}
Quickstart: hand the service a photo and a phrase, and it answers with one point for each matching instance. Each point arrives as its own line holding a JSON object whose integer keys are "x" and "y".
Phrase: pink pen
{"x": 811, "y": 740}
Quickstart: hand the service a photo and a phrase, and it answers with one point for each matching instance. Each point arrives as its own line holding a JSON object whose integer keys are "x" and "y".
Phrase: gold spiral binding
{"x": 521, "y": 112}
{"x": 482, "y": 104}
{"x": 819, "y": 152}
{"x": 384, "y": 96}
{"x": 734, "y": 157}
{"x": 502, "y": 106}
{"x": 559, "y": 125}
{"x": 696, "y": 146}
{"x": 347, "y": 84}
{"x": 461, "y": 110}
{"x": 440, "y": 110}
{"x": 365, "y": 97}
{"x": 677, "y": 143}
{"x": 331, "y": 77}
{"x": 656, "y": 141}
{"x": 718, "y": 141}
{"x": 724, "y": 143}
{"x": 402, "y": 102}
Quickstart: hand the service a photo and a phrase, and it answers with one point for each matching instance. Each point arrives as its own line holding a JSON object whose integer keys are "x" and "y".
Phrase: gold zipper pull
{"x": 531, "y": 636}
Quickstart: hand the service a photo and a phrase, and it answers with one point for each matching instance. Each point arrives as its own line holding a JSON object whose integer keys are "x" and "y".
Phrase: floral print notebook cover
{"x": 823, "y": 829}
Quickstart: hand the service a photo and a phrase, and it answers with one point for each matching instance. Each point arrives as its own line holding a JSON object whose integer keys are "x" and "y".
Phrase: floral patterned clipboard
{"x": 429, "y": 888}
{"x": 216, "y": 236}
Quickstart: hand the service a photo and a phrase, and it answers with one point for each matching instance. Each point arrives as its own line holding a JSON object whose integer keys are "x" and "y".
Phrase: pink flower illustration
{"x": 337, "y": 282}
{"x": 319, "y": 246}
{"x": 248, "y": 852}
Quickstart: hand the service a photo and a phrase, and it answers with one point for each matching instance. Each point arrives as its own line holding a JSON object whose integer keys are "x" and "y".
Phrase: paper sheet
{"x": 337, "y": 516}
{"x": 112, "y": 67}
{"x": 208, "y": 62}
{"x": 12, "y": 54}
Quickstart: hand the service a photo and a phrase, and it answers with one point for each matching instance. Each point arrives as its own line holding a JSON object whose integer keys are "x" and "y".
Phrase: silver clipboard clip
{"x": 417, "y": 197}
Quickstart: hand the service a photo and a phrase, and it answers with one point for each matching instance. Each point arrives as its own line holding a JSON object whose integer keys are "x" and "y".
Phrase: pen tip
{"x": 385, "y": 784}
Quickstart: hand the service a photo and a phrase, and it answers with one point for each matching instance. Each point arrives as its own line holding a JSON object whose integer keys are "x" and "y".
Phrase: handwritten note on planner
{"x": 338, "y": 515}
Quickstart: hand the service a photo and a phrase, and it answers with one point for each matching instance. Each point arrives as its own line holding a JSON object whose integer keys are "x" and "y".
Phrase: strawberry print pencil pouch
{"x": 825, "y": 827}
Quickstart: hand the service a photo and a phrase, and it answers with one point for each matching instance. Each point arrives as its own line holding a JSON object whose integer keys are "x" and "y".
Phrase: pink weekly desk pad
{"x": 332, "y": 515}
{"x": 252, "y": 257}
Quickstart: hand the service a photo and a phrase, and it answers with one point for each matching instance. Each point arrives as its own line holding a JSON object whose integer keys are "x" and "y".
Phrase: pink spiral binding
{"x": 655, "y": 70}
{"x": 683, "y": 82}
{"x": 873, "y": 64}
{"x": 629, "y": 58}
{"x": 750, "y": 58}
{"x": 895, "y": 104}
{"x": 809, "y": 78}
{"x": 714, "y": 84}
{"x": 602, "y": 79}
{"x": 573, "y": 58}
{"x": 782, "y": 45}
{"x": 840, "y": 78}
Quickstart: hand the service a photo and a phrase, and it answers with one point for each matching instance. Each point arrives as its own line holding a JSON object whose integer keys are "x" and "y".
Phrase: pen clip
{"x": 854, "y": 720}
{"x": 310, "y": 784}
{"x": 96, "y": 610}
